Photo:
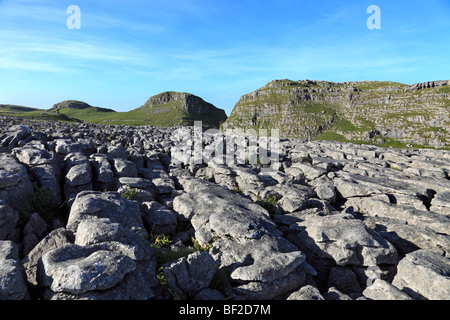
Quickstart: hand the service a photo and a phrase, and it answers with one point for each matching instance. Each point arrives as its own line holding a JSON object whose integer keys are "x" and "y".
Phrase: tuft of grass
{"x": 159, "y": 241}
{"x": 201, "y": 248}
{"x": 130, "y": 194}
{"x": 161, "y": 277}
{"x": 40, "y": 203}
{"x": 268, "y": 203}
{"x": 238, "y": 190}
{"x": 41, "y": 200}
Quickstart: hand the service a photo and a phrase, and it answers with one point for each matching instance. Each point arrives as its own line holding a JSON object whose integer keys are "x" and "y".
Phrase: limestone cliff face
{"x": 384, "y": 113}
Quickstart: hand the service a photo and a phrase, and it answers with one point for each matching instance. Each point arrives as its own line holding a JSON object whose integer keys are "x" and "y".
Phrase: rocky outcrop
{"x": 70, "y": 104}
{"x": 188, "y": 102}
{"x": 90, "y": 212}
{"x": 187, "y": 106}
{"x": 368, "y": 111}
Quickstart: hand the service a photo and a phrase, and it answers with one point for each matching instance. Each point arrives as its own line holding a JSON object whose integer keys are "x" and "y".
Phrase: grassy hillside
{"x": 91, "y": 114}
{"x": 8, "y": 108}
{"x": 33, "y": 113}
{"x": 167, "y": 110}
{"x": 166, "y": 115}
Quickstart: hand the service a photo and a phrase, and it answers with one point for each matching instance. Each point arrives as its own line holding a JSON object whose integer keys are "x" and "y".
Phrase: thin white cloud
{"x": 15, "y": 64}
{"x": 39, "y": 52}
{"x": 27, "y": 11}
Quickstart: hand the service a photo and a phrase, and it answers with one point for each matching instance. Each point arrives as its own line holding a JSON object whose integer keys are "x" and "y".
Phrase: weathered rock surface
{"x": 11, "y": 137}
{"x": 109, "y": 255}
{"x": 16, "y": 189}
{"x": 54, "y": 240}
{"x": 263, "y": 268}
{"x": 383, "y": 290}
{"x": 8, "y": 222}
{"x": 13, "y": 285}
{"x": 76, "y": 270}
{"x": 307, "y": 292}
{"x": 424, "y": 275}
{"x": 345, "y": 240}
{"x": 94, "y": 212}
{"x": 94, "y": 205}
{"x": 189, "y": 276}
{"x": 216, "y": 211}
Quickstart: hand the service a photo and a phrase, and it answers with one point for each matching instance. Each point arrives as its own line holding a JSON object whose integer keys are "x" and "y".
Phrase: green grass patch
{"x": 169, "y": 115}
{"x": 159, "y": 241}
{"x": 432, "y": 129}
{"x": 373, "y": 85}
{"x": 238, "y": 190}
{"x": 403, "y": 115}
{"x": 344, "y": 125}
{"x": 40, "y": 115}
{"x": 16, "y": 109}
{"x": 268, "y": 203}
{"x": 364, "y": 124}
{"x": 330, "y": 136}
{"x": 313, "y": 107}
{"x": 391, "y": 143}
{"x": 130, "y": 194}
{"x": 444, "y": 89}
{"x": 92, "y": 114}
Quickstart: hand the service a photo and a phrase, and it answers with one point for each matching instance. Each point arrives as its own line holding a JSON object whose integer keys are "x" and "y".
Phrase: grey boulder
{"x": 13, "y": 284}
{"x": 217, "y": 211}
{"x": 90, "y": 205}
{"x": 424, "y": 274}
{"x": 15, "y": 185}
{"x": 8, "y": 221}
{"x": 383, "y": 290}
{"x": 55, "y": 239}
{"x": 307, "y": 292}
{"x": 345, "y": 240}
{"x": 75, "y": 269}
{"x": 188, "y": 276}
{"x": 158, "y": 218}
{"x": 263, "y": 268}
{"x": 13, "y": 135}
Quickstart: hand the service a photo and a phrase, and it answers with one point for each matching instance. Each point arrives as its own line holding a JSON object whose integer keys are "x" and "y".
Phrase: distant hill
{"x": 70, "y": 104}
{"x": 12, "y": 108}
{"x": 68, "y": 111}
{"x": 32, "y": 113}
{"x": 80, "y": 110}
{"x": 169, "y": 109}
{"x": 371, "y": 112}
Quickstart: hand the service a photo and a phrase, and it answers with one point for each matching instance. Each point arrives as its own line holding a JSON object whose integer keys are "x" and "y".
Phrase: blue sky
{"x": 127, "y": 51}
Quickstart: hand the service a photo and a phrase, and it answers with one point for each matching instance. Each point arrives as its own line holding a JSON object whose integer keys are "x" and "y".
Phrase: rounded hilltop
{"x": 70, "y": 104}
{"x": 187, "y": 108}
{"x": 185, "y": 101}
